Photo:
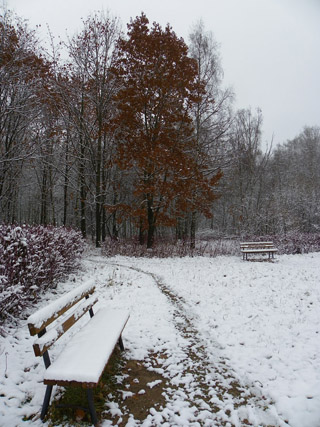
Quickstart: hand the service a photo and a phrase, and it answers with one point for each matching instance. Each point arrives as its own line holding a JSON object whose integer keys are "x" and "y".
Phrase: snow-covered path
{"x": 238, "y": 341}
{"x": 204, "y": 377}
{"x": 266, "y": 318}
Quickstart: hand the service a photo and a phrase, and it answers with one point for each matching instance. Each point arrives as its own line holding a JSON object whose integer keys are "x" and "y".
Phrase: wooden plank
{"x": 65, "y": 383}
{"x": 43, "y": 344}
{"x": 256, "y": 243}
{"x": 34, "y": 330}
{"x": 256, "y": 246}
{"x": 73, "y": 366}
{"x": 258, "y": 250}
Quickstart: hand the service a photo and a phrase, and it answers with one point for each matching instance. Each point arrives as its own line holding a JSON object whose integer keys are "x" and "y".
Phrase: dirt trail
{"x": 215, "y": 390}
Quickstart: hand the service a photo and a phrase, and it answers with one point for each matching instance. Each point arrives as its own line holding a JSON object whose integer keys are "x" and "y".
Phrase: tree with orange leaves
{"x": 155, "y": 129}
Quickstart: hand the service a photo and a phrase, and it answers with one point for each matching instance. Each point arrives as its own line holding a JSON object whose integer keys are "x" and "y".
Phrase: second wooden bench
{"x": 257, "y": 248}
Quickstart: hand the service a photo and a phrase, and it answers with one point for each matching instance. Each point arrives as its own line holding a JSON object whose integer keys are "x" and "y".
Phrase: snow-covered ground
{"x": 214, "y": 324}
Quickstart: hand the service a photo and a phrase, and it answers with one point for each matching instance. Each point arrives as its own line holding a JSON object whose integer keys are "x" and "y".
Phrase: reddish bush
{"x": 163, "y": 248}
{"x": 33, "y": 258}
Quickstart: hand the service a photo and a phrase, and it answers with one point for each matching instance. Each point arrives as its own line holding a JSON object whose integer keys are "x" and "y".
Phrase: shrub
{"x": 33, "y": 258}
{"x": 295, "y": 243}
{"x": 164, "y": 248}
{"x": 291, "y": 243}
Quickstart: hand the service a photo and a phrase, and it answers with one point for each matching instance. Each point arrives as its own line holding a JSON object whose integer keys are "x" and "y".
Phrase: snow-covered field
{"x": 215, "y": 325}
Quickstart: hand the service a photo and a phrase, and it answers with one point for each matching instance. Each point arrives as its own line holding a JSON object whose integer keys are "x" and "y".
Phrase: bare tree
{"x": 296, "y": 183}
{"x": 90, "y": 106}
{"x": 244, "y": 185}
{"x": 23, "y": 71}
{"x": 212, "y": 113}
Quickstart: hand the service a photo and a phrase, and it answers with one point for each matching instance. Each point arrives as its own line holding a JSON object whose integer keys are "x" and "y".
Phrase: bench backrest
{"x": 64, "y": 313}
{"x": 249, "y": 245}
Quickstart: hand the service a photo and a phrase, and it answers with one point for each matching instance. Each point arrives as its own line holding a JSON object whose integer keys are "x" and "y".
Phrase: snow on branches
{"x": 33, "y": 258}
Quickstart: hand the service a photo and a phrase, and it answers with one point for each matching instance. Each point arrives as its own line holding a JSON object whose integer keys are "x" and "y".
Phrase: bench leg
{"x": 121, "y": 343}
{"x": 46, "y": 402}
{"x": 92, "y": 409}
{"x": 91, "y": 310}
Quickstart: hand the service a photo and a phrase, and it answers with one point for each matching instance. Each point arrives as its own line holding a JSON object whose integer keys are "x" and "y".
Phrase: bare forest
{"x": 135, "y": 136}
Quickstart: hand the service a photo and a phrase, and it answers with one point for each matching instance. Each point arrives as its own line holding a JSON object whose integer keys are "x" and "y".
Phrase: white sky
{"x": 270, "y": 49}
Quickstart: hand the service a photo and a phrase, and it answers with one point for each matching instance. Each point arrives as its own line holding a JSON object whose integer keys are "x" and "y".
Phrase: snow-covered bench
{"x": 84, "y": 357}
{"x": 257, "y": 248}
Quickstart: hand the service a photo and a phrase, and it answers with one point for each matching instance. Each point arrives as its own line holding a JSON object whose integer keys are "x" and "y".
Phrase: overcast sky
{"x": 270, "y": 49}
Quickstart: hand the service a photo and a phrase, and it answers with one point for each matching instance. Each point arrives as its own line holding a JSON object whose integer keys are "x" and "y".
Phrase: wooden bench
{"x": 257, "y": 248}
{"x": 85, "y": 356}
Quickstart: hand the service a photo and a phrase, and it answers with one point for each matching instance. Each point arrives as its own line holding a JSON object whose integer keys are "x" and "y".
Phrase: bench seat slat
{"x": 256, "y": 246}
{"x": 259, "y": 250}
{"x": 87, "y": 353}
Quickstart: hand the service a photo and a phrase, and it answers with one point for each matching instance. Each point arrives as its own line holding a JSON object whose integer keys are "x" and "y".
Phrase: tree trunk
{"x": 193, "y": 230}
{"x": 151, "y": 225}
{"x": 98, "y": 194}
{"x": 141, "y": 232}
{"x": 83, "y": 195}
{"x": 43, "y": 212}
{"x": 104, "y": 225}
{"x": 66, "y": 181}
{"x": 83, "y": 223}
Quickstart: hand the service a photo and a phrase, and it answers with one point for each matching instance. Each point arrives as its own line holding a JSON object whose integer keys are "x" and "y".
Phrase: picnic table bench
{"x": 257, "y": 248}
{"x": 85, "y": 356}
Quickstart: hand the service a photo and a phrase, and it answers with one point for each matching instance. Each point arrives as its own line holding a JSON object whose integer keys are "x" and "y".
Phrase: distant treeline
{"x": 135, "y": 136}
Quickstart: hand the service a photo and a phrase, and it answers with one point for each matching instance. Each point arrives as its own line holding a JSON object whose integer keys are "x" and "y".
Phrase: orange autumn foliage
{"x": 155, "y": 134}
